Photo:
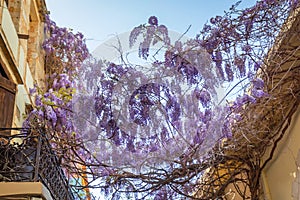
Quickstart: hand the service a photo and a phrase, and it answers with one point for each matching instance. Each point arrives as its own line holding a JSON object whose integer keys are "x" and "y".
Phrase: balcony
{"x": 29, "y": 168}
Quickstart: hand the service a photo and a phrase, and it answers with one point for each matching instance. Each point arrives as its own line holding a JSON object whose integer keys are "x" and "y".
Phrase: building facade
{"x": 22, "y": 58}
{"x": 26, "y": 169}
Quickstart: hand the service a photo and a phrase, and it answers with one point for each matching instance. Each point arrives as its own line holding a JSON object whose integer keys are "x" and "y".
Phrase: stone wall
{"x": 28, "y": 20}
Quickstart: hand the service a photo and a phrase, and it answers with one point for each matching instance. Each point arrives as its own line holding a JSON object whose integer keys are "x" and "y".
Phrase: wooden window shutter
{"x": 7, "y": 102}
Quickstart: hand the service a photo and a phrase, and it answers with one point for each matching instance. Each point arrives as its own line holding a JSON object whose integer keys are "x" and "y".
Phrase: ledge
{"x": 24, "y": 189}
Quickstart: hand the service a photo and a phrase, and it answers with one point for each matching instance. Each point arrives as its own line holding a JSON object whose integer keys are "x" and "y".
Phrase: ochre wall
{"x": 282, "y": 172}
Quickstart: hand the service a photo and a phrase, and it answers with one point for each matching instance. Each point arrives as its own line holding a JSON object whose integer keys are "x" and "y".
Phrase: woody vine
{"x": 162, "y": 130}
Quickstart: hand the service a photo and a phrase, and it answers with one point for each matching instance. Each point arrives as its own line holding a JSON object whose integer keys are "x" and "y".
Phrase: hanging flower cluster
{"x": 53, "y": 107}
{"x": 167, "y": 110}
{"x": 163, "y": 109}
{"x": 152, "y": 32}
{"x": 225, "y": 53}
{"x": 162, "y": 130}
{"x": 238, "y": 44}
{"x": 65, "y": 53}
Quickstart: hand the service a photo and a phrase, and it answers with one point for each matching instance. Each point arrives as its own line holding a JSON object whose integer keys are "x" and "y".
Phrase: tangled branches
{"x": 158, "y": 130}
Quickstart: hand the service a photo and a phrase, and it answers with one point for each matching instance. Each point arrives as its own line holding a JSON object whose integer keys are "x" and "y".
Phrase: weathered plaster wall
{"x": 283, "y": 171}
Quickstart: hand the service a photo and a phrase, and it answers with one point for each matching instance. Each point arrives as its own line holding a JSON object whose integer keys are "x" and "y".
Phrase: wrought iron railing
{"x": 28, "y": 157}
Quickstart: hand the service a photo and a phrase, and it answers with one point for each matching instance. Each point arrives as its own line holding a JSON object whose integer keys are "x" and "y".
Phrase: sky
{"x": 100, "y": 20}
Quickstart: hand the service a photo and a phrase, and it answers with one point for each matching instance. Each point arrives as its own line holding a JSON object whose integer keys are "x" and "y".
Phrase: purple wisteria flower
{"x": 153, "y": 20}
{"x": 258, "y": 93}
{"x": 32, "y": 90}
{"x": 51, "y": 115}
{"x": 203, "y": 96}
{"x": 240, "y": 64}
{"x": 38, "y": 100}
{"x": 134, "y": 34}
{"x": 257, "y": 89}
{"x": 152, "y": 34}
{"x": 257, "y": 66}
{"x": 258, "y": 83}
{"x": 199, "y": 136}
{"x": 116, "y": 70}
{"x": 242, "y": 100}
{"x": 229, "y": 72}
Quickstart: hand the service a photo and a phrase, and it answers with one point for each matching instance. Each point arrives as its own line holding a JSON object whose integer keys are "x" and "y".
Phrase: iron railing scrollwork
{"x": 28, "y": 157}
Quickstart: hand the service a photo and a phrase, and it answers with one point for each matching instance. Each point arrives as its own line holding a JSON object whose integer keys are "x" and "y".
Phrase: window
{"x": 2, "y": 72}
{"x": 7, "y": 100}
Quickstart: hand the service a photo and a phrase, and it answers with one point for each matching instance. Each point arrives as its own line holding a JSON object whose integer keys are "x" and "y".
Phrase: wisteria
{"x": 169, "y": 109}
{"x": 65, "y": 53}
{"x": 152, "y": 34}
{"x": 167, "y": 129}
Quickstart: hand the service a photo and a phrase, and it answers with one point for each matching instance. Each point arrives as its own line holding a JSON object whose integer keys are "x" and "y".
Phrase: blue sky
{"x": 99, "y": 20}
